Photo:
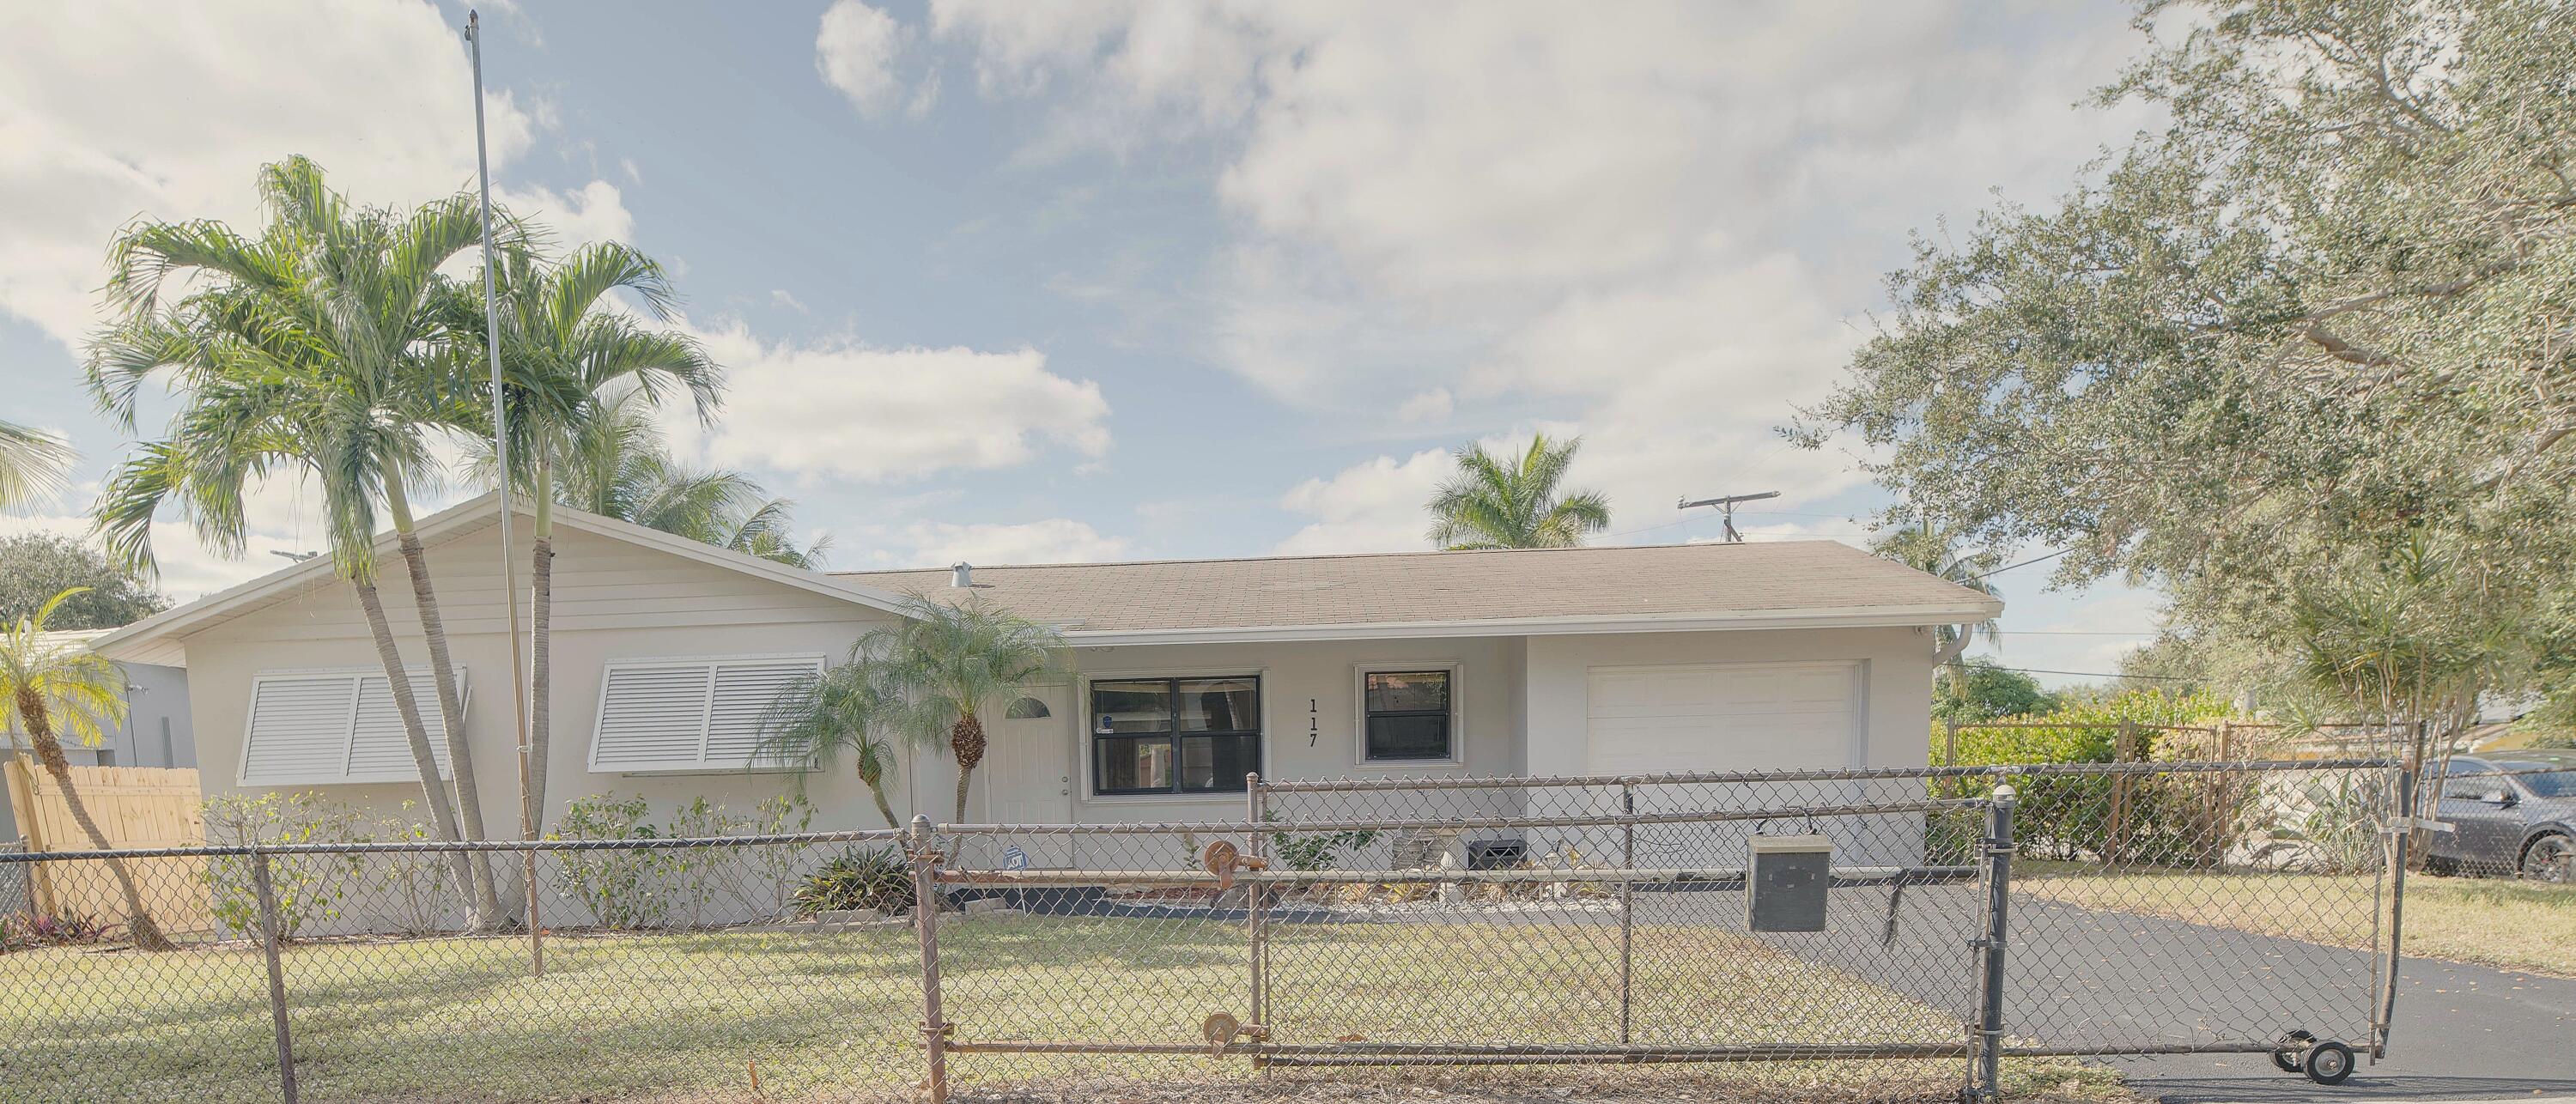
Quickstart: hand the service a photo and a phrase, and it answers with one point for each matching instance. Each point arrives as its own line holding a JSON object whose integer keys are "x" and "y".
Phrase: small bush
{"x": 26, "y": 931}
{"x": 621, "y": 889}
{"x": 308, "y": 888}
{"x": 680, "y": 886}
{"x": 859, "y": 878}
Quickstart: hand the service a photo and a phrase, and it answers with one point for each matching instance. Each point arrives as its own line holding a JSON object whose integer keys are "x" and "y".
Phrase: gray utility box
{"x": 1784, "y": 883}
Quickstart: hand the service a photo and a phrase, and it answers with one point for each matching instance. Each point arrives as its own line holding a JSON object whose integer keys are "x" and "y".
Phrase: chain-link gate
{"x": 1445, "y": 927}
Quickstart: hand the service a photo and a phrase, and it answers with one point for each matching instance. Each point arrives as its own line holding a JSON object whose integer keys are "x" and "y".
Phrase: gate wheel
{"x": 2328, "y": 1063}
{"x": 2292, "y": 1051}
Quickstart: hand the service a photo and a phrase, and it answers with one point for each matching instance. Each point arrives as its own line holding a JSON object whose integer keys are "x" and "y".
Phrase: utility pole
{"x": 501, "y": 454}
{"x": 1726, "y": 505}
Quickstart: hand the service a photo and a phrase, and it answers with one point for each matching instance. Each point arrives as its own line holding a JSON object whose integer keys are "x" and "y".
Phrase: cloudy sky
{"x": 1009, "y": 282}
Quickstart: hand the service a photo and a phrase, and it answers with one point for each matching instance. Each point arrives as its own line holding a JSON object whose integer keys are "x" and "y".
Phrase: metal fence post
{"x": 1252, "y": 902}
{"x": 1990, "y": 1004}
{"x": 269, "y": 937}
{"x": 2410, "y": 775}
{"x": 1627, "y": 903}
{"x": 925, "y": 922}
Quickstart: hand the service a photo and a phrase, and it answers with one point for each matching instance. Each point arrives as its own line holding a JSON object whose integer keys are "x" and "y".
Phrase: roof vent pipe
{"x": 961, "y": 574}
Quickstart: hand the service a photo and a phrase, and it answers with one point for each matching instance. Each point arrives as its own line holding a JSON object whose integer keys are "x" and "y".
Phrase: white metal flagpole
{"x": 501, "y": 454}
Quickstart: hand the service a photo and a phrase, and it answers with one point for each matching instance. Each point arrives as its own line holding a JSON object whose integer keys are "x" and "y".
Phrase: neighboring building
{"x": 1186, "y": 674}
{"x": 157, "y": 731}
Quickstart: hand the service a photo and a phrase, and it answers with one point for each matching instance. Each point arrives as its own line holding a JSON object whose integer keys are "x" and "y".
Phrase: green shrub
{"x": 683, "y": 886}
{"x": 621, "y": 889}
{"x": 307, "y": 888}
{"x": 859, "y": 878}
{"x": 2161, "y": 820}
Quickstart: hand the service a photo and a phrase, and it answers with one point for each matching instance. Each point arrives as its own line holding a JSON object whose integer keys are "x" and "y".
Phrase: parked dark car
{"x": 2507, "y": 820}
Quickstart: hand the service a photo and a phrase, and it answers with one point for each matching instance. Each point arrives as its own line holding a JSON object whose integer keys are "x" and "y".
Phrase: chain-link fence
{"x": 1375, "y": 928}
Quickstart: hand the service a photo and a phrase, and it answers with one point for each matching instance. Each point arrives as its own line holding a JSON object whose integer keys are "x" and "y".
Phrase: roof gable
{"x": 156, "y": 639}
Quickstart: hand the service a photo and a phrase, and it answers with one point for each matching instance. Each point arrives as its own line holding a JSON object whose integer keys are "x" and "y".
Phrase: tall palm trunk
{"x": 49, "y": 751}
{"x": 966, "y": 738}
{"x": 451, "y": 705}
{"x": 541, "y": 621}
{"x": 442, "y": 812}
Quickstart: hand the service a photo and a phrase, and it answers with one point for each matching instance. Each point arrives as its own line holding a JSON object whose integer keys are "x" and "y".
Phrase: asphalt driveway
{"x": 2091, "y": 977}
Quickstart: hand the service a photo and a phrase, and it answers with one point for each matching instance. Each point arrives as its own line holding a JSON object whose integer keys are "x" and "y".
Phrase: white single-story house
{"x": 1184, "y": 674}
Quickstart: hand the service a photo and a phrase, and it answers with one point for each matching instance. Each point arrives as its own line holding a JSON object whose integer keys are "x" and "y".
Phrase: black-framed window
{"x": 1174, "y": 735}
{"x": 1408, "y": 715}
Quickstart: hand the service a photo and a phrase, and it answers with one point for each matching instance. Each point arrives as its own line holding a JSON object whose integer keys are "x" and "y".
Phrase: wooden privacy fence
{"x": 137, "y": 807}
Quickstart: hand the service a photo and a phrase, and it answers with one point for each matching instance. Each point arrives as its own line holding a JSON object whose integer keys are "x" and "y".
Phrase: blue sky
{"x": 1015, "y": 282}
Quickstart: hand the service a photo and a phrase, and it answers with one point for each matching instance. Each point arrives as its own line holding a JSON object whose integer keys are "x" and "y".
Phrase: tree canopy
{"x": 2325, "y": 315}
{"x": 1979, "y": 690}
{"x": 34, "y": 567}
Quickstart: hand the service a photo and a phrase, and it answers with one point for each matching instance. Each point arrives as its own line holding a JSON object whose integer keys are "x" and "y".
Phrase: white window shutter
{"x": 651, "y": 717}
{"x": 328, "y": 727}
{"x": 379, "y": 749}
{"x": 689, "y": 714}
{"x": 299, "y": 729}
{"x": 744, "y": 691}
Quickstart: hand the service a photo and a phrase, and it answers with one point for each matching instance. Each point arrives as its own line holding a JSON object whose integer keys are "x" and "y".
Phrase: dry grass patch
{"x": 2513, "y": 925}
{"x": 814, "y": 1016}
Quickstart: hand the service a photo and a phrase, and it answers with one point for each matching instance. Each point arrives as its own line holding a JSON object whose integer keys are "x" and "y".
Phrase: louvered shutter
{"x": 379, "y": 749}
{"x": 299, "y": 729}
{"x": 744, "y": 691}
{"x": 651, "y": 717}
{"x": 688, "y": 715}
{"x": 324, "y": 727}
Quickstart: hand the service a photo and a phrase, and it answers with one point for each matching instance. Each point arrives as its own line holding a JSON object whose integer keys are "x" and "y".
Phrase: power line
{"x": 2080, "y": 674}
{"x": 2024, "y": 563}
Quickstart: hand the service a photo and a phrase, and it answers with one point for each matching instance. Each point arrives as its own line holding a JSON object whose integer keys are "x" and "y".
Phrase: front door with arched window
{"x": 1028, "y": 775}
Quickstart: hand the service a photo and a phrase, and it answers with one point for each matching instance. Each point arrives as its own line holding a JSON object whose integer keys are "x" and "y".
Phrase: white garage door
{"x": 1724, "y": 717}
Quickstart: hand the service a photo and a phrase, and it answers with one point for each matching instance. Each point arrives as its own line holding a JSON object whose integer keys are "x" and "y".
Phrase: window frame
{"x": 1360, "y": 672}
{"x": 701, "y": 765}
{"x": 1092, "y": 737}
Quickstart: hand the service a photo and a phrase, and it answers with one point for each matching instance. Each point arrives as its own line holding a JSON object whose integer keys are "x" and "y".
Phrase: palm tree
{"x": 1930, "y": 551}
{"x": 575, "y": 372}
{"x": 848, "y": 707}
{"x": 617, "y": 466}
{"x": 1492, "y": 503}
{"x": 32, "y": 463}
{"x": 943, "y": 664}
{"x": 48, "y": 690}
{"x": 324, "y": 347}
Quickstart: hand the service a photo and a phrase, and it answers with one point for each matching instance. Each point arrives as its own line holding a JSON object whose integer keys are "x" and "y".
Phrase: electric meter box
{"x": 1784, "y": 885}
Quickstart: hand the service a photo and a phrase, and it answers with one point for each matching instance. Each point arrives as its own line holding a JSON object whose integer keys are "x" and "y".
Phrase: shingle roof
{"x": 1775, "y": 582}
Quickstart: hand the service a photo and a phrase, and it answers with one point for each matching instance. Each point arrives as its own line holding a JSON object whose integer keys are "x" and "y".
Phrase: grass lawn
{"x": 2510, "y": 924}
{"x": 814, "y": 1015}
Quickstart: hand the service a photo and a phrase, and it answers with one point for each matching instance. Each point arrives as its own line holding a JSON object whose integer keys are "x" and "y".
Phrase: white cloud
{"x": 594, "y": 212}
{"x": 1430, "y": 406}
{"x": 1374, "y": 506}
{"x": 787, "y": 299}
{"x": 856, "y": 51}
{"x": 1661, "y": 222}
{"x": 379, "y": 94}
{"x": 859, "y": 412}
{"x": 1054, "y": 540}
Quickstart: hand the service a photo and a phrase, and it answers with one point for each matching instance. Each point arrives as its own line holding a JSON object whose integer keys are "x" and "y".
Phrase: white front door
{"x": 1028, "y": 773}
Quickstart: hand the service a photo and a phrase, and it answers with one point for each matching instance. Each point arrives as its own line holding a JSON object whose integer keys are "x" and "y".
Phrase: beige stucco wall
{"x": 611, "y": 600}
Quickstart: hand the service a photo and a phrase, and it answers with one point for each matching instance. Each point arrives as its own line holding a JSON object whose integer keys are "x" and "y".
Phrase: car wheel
{"x": 2551, "y": 858}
